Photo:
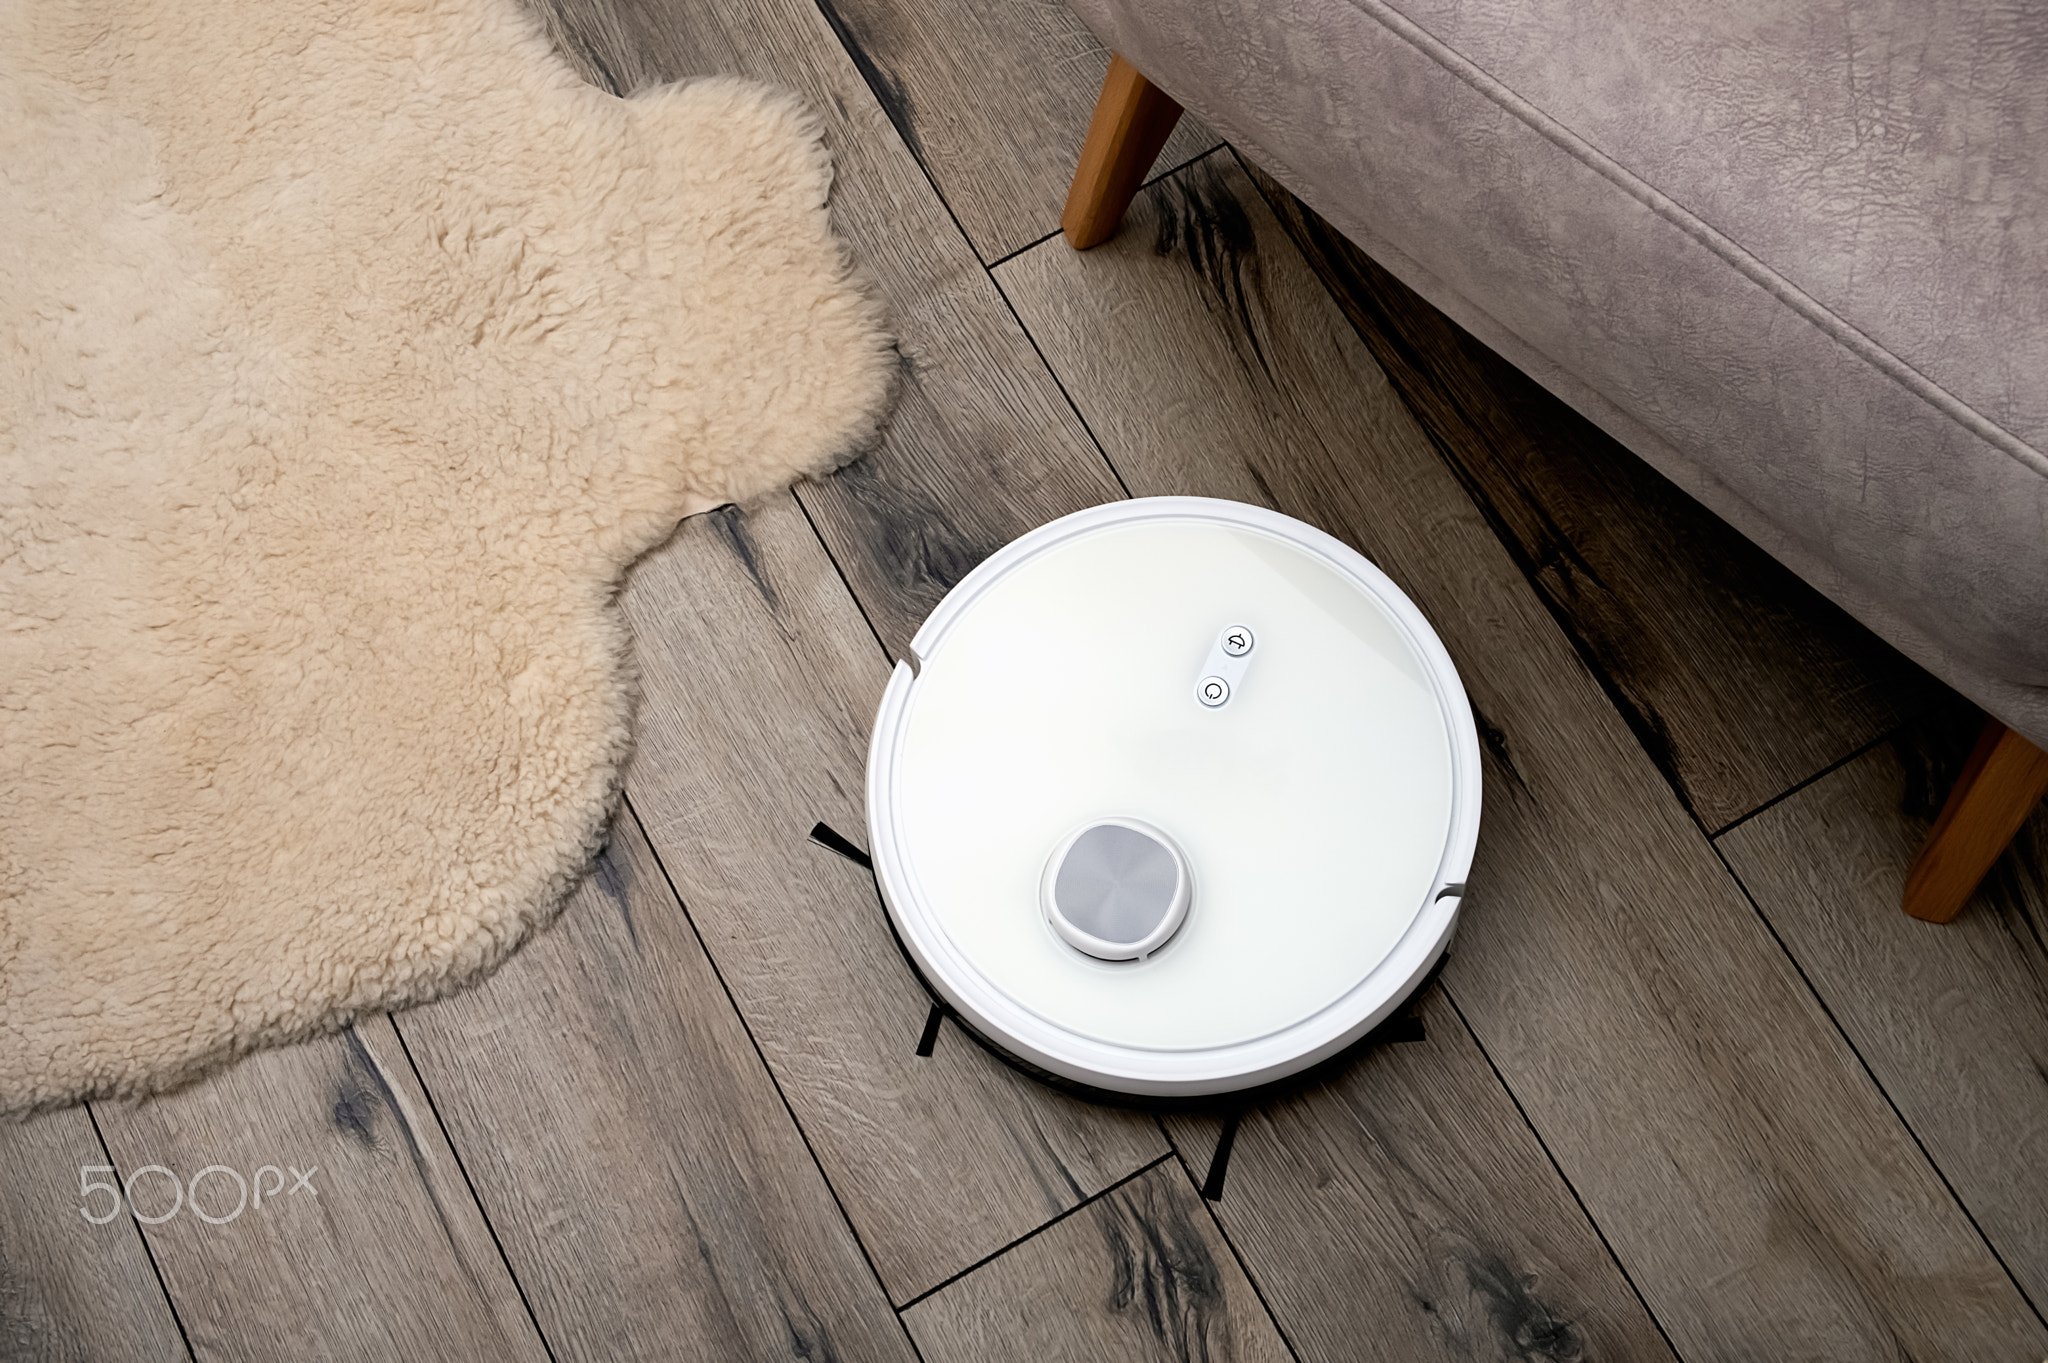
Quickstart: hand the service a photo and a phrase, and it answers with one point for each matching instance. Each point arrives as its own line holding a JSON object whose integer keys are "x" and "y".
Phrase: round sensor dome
{"x": 1178, "y": 797}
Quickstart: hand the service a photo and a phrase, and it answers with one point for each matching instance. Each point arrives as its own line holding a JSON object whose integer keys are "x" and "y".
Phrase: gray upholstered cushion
{"x": 1795, "y": 256}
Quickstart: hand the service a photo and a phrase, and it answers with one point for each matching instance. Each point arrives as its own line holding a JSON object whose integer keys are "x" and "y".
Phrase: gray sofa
{"x": 1796, "y": 257}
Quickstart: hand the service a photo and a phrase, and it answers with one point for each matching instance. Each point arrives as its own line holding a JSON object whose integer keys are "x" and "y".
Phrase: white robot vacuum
{"x": 1175, "y": 797}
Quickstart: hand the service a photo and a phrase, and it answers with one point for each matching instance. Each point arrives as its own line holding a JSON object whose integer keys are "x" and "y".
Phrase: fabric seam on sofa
{"x": 1843, "y": 333}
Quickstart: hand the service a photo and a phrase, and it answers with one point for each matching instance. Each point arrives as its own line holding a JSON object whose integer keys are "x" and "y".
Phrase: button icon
{"x": 1237, "y": 641}
{"x": 1212, "y": 691}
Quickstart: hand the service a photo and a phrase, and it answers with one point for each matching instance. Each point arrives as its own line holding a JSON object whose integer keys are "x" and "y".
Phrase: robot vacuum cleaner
{"x": 1176, "y": 797}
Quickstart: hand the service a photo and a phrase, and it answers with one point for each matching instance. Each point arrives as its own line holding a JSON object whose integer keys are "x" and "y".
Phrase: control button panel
{"x": 1222, "y": 672}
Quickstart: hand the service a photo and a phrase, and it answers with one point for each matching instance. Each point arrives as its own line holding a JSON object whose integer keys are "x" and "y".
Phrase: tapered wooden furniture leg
{"x": 1133, "y": 119}
{"x": 2004, "y": 779}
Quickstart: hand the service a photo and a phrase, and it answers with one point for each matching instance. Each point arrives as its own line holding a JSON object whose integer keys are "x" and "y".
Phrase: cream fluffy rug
{"x": 348, "y": 354}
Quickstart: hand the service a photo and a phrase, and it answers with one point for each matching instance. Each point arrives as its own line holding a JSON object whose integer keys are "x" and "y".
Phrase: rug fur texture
{"x": 349, "y": 352}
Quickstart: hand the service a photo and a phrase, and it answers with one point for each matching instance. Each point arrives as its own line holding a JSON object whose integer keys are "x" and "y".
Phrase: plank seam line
{"x": 1245, "y": 1268}
{"x": 833, "y": 21}
{"x": 1101, "y": 452}
{"x": 1150, "y": 181}
{"x": 796, "y": 494}
{"x": 1031, "y": 245}
{"x": 169, "y": 1301}
{"x": 1887, "y": 736}
{"x": 1882, "y": 1092}
{"x": 1039, "y": 1229}
{"x": 470, "y": 1184}
{"x": 626, "y": 803}
{"x": 1562, "y": 1177}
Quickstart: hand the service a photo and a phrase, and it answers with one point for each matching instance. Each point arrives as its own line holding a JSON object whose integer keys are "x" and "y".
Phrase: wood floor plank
{"x": 380, "y": 1253}
{"x": 760, "y": 684}
{"x": 1750, "y": 1177}
{"x": 643, "y": 1176}
{"x": 1952, "y": 1018}
{"x": 72, "y": 1291}
{"x": 994, "y": 97}
{"x": 1140, "y": 1274}
{"x": 982, "y": 445}
{"x": 1738, "y": 679}
{"x": 1404, "y": 1211}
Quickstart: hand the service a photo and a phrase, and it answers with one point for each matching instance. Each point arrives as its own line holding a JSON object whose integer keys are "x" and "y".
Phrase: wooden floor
{"x": 1690, "y": 1085}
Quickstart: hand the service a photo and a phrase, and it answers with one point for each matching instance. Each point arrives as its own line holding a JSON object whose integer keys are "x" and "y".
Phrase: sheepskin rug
{"x": 349, "y": 352}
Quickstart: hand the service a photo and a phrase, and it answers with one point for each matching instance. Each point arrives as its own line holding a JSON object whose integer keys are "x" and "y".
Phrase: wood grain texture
{"x": 72, "y": 1291}
{"x": 982, "y": 445}
{"x": 1748, "y": 1174}
{"x": 1403, "y": 1210}
{"x": 1737, "y": 678}
{"x": 1140, "y": 1274}
{"x": 994, "y": 97}
{"x": 1999, "y": 787}
{"x": 760, "y": 683}
{"x": 1952, "y": 1019}
{"x": 385, "y": 1255}
{"x": 647, "y": 1184}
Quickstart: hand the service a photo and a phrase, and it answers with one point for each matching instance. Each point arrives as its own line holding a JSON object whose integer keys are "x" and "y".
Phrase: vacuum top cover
{"x": 1180, "y": 796}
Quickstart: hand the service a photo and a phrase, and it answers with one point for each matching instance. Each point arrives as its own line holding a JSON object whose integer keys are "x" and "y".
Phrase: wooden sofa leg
{"x": 2000, "y": 785}
{"x": 1133, "y": 119}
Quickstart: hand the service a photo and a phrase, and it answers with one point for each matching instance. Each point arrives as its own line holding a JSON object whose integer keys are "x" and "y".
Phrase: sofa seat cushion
{"x": 1795, "y": 257}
